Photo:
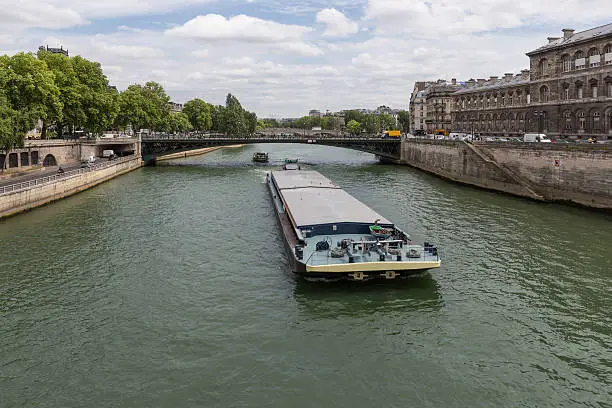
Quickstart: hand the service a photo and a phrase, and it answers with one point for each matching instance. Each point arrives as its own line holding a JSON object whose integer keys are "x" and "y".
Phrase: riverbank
{"x": 195, "y": 152}
{"x": 574, "y": 174}
{"x": 46, "y": 190}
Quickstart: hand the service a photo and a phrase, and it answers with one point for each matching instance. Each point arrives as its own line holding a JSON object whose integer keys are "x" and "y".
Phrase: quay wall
{"x": 19, "y": 201}
{"x": 579, "y": 174}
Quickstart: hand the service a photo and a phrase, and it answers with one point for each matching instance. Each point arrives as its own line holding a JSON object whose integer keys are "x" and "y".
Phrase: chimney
{"x": 525, "y": 74}
{"x": 567, "y": 32}
{"x": 454, "y": 81}
{"x": 508, "y": 76}
{"x": 493, "y": 78}
{"x": 481, "y": 81}
{"x": 552, "y": 39}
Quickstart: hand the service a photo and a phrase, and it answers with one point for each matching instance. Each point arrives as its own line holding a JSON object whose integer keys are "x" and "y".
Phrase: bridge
{"x": 157, "y": 145}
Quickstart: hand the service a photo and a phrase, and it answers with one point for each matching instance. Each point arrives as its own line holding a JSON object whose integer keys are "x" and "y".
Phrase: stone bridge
{"x": 156, "y": 145}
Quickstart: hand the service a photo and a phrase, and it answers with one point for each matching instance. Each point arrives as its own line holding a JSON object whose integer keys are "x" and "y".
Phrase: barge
{"x": 260, "y": 157}
{"x": 330, "y": 235}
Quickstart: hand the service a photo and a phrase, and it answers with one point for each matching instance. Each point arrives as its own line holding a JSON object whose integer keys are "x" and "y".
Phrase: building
{"x": 175, "y": 107}
{"x": 438, "y": 105}
{"x": 566, "y": 92}
{"x": 59, "y": 50}
{"x": 571, "y": 84}
{"x": 497, "y": 106}
{"x": 417, "y": 109}
{"x": 315, "y": 113}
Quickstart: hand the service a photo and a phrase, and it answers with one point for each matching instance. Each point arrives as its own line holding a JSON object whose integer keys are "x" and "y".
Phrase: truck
{"x": 108, "y": 154}
{"x": 391, "y": 134}
{"x": 536, "y": 137}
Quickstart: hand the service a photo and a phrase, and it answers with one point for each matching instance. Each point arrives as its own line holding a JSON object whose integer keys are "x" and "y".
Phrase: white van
{"x": 536, "y": 137}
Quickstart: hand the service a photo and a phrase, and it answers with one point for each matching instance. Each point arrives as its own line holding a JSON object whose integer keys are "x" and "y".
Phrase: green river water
{"x": 169, "y": 287}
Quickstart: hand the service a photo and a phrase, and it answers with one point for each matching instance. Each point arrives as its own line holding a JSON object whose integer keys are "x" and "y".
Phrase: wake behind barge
{"x": 330, "y": 235}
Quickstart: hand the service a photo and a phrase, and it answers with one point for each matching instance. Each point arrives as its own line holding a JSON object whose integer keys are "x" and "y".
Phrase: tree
{"x": 99, "y": 103}
{"x": 354, "y": 127}
{"x": 387, "y": 122}
{"x": 403, "y": 118}
{"x": 353, "y": 115}
{"x": 371, "y": 124}
{"x": 31, "y": 91}
{"x": 199, "y": 114}
{"x": 177, "y": 122}
{"x": 144, "y": 107}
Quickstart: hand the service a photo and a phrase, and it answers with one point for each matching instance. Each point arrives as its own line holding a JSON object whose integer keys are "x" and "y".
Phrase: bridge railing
{"x": 26, "y": 185}
{"x": 261, "y": 136}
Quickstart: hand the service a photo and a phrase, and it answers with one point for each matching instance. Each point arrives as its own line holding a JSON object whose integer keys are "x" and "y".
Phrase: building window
{"x": 594, "y": 58}
{"x": 544, "y": 94}
{"x": 567, "y": 63}
{"x": 566, "y": 92}
{"x": 581, "y": 121}
{"x": 594, "y": 90}
{"x": 596, "y": 120}
{"x": 568, "y": 120}
{"x": 609, "y": 89}
{"x": 579, "y": 91}
{"x": 543, "y": 67}
{"x": 580, "y": 60}
{"x": 608, "y": 54}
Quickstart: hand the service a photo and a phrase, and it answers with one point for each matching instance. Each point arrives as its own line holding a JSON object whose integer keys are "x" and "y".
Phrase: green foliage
{"x": 371, "y": 124}
{"x": 178, "y": 122}
{"x": 354, "y": 127}
{"x": 199, "y": 114}
{"x": 144, "y": 107}
{"x": 387, "y": 122}
{"x": 404, "y": 120}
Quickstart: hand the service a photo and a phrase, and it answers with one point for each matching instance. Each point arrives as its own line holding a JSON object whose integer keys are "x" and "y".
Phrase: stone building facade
{"x": 418, "y": 107}
{"x": 439, "y": 101}
{"x": 567, "y": 92}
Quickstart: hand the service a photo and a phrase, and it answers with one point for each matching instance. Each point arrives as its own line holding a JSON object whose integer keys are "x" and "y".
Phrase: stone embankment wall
{"x": 580, "y": 174}
{"x": 19, "y": 201}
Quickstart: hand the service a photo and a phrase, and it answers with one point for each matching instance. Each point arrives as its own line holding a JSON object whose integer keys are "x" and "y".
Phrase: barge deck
{"x": 331, "y": 235}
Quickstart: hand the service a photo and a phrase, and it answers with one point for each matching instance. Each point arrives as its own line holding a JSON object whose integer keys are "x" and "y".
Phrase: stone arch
{"x": 595, "y": 121}
{"x": 581, "y": 120}
{"x": 568, "y": 121}
{"x": 49, "y": 161}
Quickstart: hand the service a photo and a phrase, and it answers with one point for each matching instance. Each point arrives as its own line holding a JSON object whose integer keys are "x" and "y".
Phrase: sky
{"x": 282, "y": 58}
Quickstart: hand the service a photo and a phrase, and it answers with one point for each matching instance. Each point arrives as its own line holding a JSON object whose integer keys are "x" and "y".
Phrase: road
{"x": 47, "y": 171}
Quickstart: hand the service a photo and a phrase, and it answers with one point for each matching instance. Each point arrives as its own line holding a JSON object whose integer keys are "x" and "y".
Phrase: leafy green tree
{"x": 387, "y": 122}
{"x": 177, "y": 122}
{"x": 354, "y": 127}
{"x": 199, "y": 114}
{"x": 404, "y": 120}
{"x": 371, "y": 124}
{"x": 353, "y": 115}
{"x": 99, "y": 103}
{"x": 31, "y": 90}
{"x": 144, "y": 107}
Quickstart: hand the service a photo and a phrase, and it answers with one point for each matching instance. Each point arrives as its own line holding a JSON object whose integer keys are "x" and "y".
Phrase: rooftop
{"x": 570, "y": 38}
{"x": 497, "y": 83}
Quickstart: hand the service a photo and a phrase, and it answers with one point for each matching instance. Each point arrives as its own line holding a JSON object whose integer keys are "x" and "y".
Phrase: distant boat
{"x": 260, "y": 157}
{"x": 291, "y": 164}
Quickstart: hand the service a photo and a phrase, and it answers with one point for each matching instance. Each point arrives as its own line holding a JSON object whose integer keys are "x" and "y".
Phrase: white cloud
{"x": 29, "y": 14}
{"x": 214, "y": 27}
{"x": 337, "y": 24}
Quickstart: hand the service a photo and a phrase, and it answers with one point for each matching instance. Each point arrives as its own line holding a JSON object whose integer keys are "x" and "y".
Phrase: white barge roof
{"x": 322, "y": 204}
{"x": 301, "y": 179}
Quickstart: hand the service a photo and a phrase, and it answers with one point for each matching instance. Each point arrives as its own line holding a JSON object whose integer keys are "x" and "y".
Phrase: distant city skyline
{"x": 283, "y": 58}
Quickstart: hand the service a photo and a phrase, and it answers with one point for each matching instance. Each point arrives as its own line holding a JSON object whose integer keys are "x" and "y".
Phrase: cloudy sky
{"x": 284, "y": 57}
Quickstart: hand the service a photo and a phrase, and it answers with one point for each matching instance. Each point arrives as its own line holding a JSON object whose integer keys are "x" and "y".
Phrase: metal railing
{"x": 26, "y": 185}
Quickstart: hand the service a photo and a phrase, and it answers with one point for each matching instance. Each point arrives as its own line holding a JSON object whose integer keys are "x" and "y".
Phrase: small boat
{"x": 291, "y": 164}
{"x": 260, "y": 157}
